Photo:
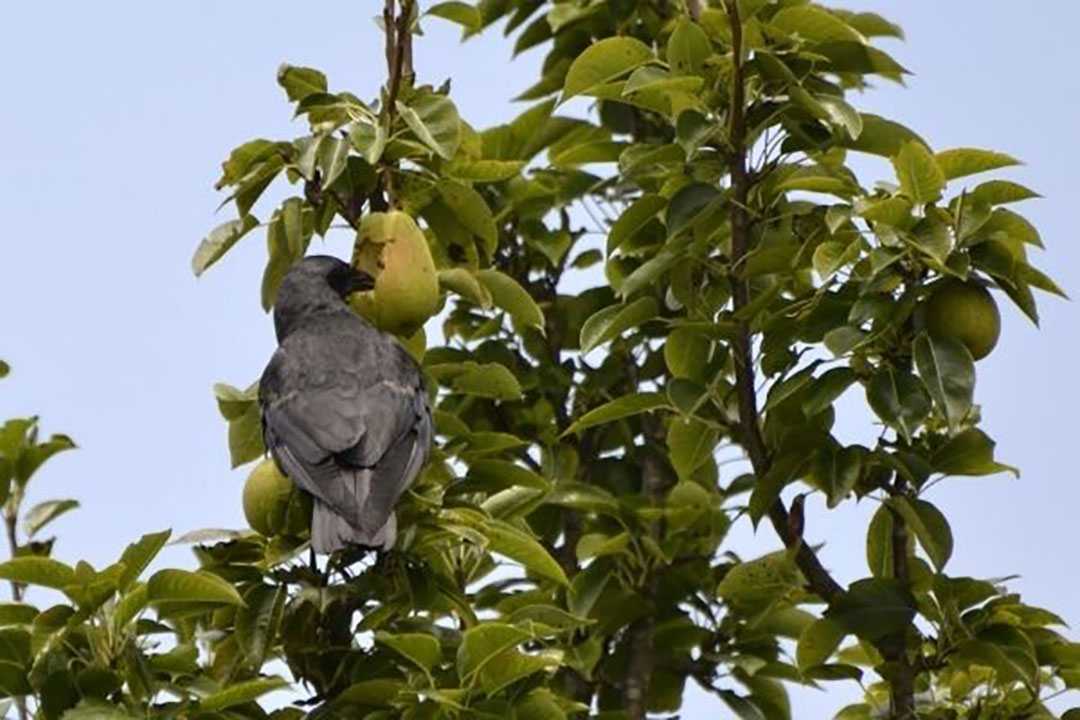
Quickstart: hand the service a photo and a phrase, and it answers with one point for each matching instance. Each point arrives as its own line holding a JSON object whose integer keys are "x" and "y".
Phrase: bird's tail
{"x": 330, "y": 532}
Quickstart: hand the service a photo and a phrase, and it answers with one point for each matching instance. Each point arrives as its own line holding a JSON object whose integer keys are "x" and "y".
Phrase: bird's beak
{"x": 360, "y": 281}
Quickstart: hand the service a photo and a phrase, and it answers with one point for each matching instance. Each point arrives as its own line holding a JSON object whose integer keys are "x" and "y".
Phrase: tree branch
{"x": 399, "y": 66}
{"x": 894, "y": 649}
{"x": 821, "y": 582}
{"x": 653, "y": 486}
{"x": 639, "y": 674}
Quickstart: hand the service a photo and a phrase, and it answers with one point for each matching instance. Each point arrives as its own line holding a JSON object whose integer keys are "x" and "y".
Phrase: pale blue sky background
{"x": 115, "y": 118}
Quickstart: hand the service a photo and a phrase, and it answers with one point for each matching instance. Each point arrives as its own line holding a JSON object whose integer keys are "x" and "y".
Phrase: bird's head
{"x": 316, "y": 271}
{"x": 316, "y": 284}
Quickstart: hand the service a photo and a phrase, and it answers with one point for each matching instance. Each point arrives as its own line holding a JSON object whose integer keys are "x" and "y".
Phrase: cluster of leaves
{"x": 579, "y": 430}
{"x": 563, "y": 553}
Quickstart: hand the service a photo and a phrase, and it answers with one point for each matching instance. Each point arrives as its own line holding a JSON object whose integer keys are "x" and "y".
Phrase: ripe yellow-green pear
{"x": 965, "y": 312}
{"x": 273, "y": 505}
{"x": 394, "y": 251}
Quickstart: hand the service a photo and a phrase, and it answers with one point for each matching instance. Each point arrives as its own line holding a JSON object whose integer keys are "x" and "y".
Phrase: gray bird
{"x": 344, "y": 411}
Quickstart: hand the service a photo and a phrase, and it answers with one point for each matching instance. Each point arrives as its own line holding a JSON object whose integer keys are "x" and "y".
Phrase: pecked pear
{"x": 394, "y": 251}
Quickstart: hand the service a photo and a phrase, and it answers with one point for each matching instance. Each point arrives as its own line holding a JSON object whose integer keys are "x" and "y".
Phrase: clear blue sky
{"x": 116, "y": 116}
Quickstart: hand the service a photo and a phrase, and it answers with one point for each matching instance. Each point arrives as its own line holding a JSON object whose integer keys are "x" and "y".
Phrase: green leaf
{"x": 540, "y": 704}
{"x": 657, "y": 82}
{"x": 948, "y": 372}
{"x": 243, "y": 692}
{"x": 129, "y": 605}
{"x": 899, "y": 399}
{"x": 879, "y": 137}
{"x": 503, "y": 474}
{"x": 333, "y": 160}
{"x": 602, "y": 151}
{"x": 688, "y": 205}
{"x": 372, "y": 693}
{"x": 515, "y": 544}
{"x": 587, "y": 587}
{"x": 512, "y": 503}
{"x": 509, "y": 296}
{"x": 17, "y": 614}
{"x": 246, "y": 157}
{"x": 688, "y": 48}
{"x": 826, "y": 389}
{"x": 486, "y": 171}
{"x": 646, "y": 275}
{"x": 618, "y": 409}
{"x": 842, "y": 115}
{"x": 837, "y": 470}
{"x": 435, "y": 121}
{"x": 461, "y": 13}
{"x": 603, "y": 62}
{"x": 873, "y": 608}
{"x": 871, "y": 24}
{"x": 893, "y": 211}
{"x": 44, "y": 513}
{"x": 879, "y": 555}
{"x": 611, "y": 322}
{"x": 299, "y": 82}
{"x": 256, "y": 623}
{"x": 421, "y": 650}
{"x": 481, "y": 644}
{"x": 1005, "y": 223}
{"x": 471, "y": 211}
{"x": 214, "y": 246}
{"x": 692, "y": 129}
{"x": 138, "y": 556}
{"x": 182, "y": 585}
{"x": 510, "y": 667}
{"x": 818, "y": 180}
{"x": 932, "y": 236}
{"x": 583, "y": 498}
{"x": 929, "y": 526}
{"x": 848, "y": 56}
{"x": 969, "y": 453}
{"x": 690, "y": 443}
{"x": 90, "y": 709}
{"x": 279, "y": 259}
{"x": 4, "y": 369}
{"x": 1002, "y": 192}
{"x": 245, "y": 437}
{"x": 961, "y": 162}
{"x": 465, "y": 284}
{"x": 1006, "y": 649}
{"x": 37, "y": 570}
{"x": 814, "y": 24}
{"x": 921, "y": 179}
{"x": 818, "y": 642}
{"x": 369, "y": 139}
{"x": 743, "y": 708}
{"x": 594, "y": 545}
{"x": 760, "y": 580}
{"x": 832, "y": 255}
{"x": 490, "y": 380}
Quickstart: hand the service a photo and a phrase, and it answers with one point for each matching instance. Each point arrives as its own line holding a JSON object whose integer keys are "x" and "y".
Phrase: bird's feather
{"x": 346, "y": 417}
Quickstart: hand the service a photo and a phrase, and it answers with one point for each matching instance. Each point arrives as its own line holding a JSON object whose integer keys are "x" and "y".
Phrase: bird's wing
{"x": 325, "y": 423}
{"x": 399, "y": 467}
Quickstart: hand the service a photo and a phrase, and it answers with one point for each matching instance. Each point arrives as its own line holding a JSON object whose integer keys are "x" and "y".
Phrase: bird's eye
{"x": 338, "y": 279}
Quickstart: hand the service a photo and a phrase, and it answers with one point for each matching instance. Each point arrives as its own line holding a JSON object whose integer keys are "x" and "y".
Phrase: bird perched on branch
{"x": 344, "y": 411}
